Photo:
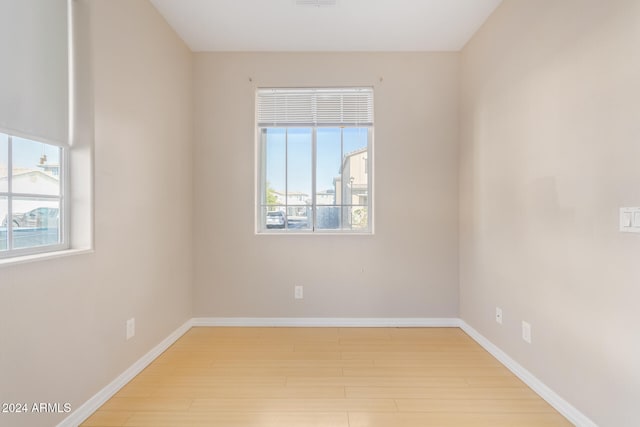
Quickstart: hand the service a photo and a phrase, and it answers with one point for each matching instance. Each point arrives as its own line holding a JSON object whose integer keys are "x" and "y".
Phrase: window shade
{"x": 315, "y": 107}
{"x": 34, "y": 75}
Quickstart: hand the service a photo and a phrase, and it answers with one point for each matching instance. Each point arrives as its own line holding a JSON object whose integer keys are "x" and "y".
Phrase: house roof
{"x": 26, "y": 172}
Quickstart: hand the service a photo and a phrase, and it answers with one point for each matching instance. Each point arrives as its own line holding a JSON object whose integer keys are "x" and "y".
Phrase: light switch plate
{"x": 630, "y": 220}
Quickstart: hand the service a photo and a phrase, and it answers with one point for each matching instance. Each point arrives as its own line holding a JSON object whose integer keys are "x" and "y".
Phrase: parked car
{"x": 276, "y": 219}
{"x": 38, "y": 217}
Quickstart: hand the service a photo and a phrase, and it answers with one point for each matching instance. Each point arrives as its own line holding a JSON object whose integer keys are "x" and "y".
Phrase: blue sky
{"x": 26, "y": 154}
{"x": 300, "y": 156}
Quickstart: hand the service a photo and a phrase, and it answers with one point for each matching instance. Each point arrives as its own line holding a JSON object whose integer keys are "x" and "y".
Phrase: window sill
{"x": 313, "y": 233}
{"x": 7, "y": 262}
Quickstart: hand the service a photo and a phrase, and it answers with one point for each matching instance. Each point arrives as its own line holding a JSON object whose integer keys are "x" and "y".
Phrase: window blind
{"x": 34, "y": 76}
{"x": 315, "y": 107}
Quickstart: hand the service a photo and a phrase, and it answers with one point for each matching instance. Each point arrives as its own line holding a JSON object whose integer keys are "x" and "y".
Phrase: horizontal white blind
{"x": 34, "y": 69}
{"x": 315, "y": 107}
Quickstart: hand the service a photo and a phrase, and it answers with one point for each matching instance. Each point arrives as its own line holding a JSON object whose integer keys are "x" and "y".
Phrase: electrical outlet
{"x": 526, "y": 331}
{"x": 297, "y": 292}
{"x": 499, "y": 315}
{"x": 131, "y": 328}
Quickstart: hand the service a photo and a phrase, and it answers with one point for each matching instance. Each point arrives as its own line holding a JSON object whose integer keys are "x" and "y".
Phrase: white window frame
{"x": 302, "y": 119}
{"x": 62, "y": 199}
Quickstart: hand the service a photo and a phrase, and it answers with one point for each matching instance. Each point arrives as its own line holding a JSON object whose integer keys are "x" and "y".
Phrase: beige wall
{"x": 550, "y": 142}
{"x": 62, "y": 321}
{"x": 549, "y": 136}
{"x": 407, "y": 269}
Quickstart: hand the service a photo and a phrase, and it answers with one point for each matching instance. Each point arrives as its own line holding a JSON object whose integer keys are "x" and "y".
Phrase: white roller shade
{"x": 315, "y": 107}
{"x": 34, "y": 69}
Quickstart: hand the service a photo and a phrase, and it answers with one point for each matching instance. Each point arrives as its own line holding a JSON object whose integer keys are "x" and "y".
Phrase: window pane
{"x": 4, "y": 162}
{"x": 299, "y": 172}
{"x": 328, "y": 217}
{"x": 36, "y": 222}
{"x": 328, "y": 156}
{"x": 299, "y": 166}
{"x": 274, "y": 217}
{"x": 358, "y": 218}
{"x": 4, "y": 209}
{"x": 36, "y": 167}
{"x": 341, "y": 181}
{"x": 355, "y": 185}
{"x": 274, "y": 155}
{"x": 299, "y": 217}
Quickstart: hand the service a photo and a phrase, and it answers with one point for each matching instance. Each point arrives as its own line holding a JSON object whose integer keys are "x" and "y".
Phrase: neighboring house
{"x": 297, "y": 203}
{"x": 29, "y": 181}
{"x": 35, "y": 182}
{"x": 352, "y": 188}
{"x": 52, "y": 169}
{"x": 355, "y": 188}
{"x": 292, "y": 198}
{"x": 326, "y": 197}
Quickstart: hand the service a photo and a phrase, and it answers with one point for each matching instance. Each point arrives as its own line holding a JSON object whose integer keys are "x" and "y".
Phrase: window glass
{"x": 275, "y": 154}
{"x": 274, "y": 217}
{"x": 4, "y": 162}
{"x": 355, "y": 179}
{"x": 358, "y": 218}
{"x": 299, "y": 175}
{"x": 355, "y": 173}
{"x": 328, "y": 174}
{"x": 315, "y": 147}
{"x": 328, "y": 217}
{"x": 335, "y": 199}
{"x": 36, "y": 222}
{"x": 4, "y": 209}
{"x": 36, "y": 167}
{"x": 328, "y": 157}
{"x": 31, "y": 197}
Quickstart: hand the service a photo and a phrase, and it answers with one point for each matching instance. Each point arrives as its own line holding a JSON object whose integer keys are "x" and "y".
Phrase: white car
{"x": 276, "y": 219}
{"x": 38, "y": 217}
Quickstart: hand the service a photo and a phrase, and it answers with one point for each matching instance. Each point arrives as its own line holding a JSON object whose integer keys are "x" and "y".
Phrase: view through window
{"x": 315, "y": 160}
{"x": 31, "y": 196}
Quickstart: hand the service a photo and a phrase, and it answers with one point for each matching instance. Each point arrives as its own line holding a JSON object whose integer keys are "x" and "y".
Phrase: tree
{"x": 272, "y": 199}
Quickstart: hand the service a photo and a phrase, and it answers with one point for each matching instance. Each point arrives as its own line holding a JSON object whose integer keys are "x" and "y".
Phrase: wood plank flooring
{"x": 325, "y": 377}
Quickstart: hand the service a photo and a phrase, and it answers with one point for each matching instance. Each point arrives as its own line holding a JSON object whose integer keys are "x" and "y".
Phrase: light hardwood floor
{"x": 326, "y": 377}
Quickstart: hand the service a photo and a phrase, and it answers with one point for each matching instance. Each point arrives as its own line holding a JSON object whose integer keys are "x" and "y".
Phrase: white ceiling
{"x": 350, "y": 25}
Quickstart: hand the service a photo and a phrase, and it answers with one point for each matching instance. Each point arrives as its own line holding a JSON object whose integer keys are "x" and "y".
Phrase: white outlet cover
{"x": 526, "y": 331}
{"x": 131, "y": 328}
{"x": 499, "y": 315}
{"x": 298, "y": 293}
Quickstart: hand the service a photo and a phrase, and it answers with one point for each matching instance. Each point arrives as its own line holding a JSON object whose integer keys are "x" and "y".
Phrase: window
{"x": 315, "y": 160}
{"x": 31, "y": 197}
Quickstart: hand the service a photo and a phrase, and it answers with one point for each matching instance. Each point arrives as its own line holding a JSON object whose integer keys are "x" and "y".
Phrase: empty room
{"x": 328, "y": 213}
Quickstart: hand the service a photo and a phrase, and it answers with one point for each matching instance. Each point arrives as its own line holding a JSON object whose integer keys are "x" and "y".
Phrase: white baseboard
{"x": 561, "y": 405}
{"x": 90, "y": 406}
{"x": 345, "y": 322}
